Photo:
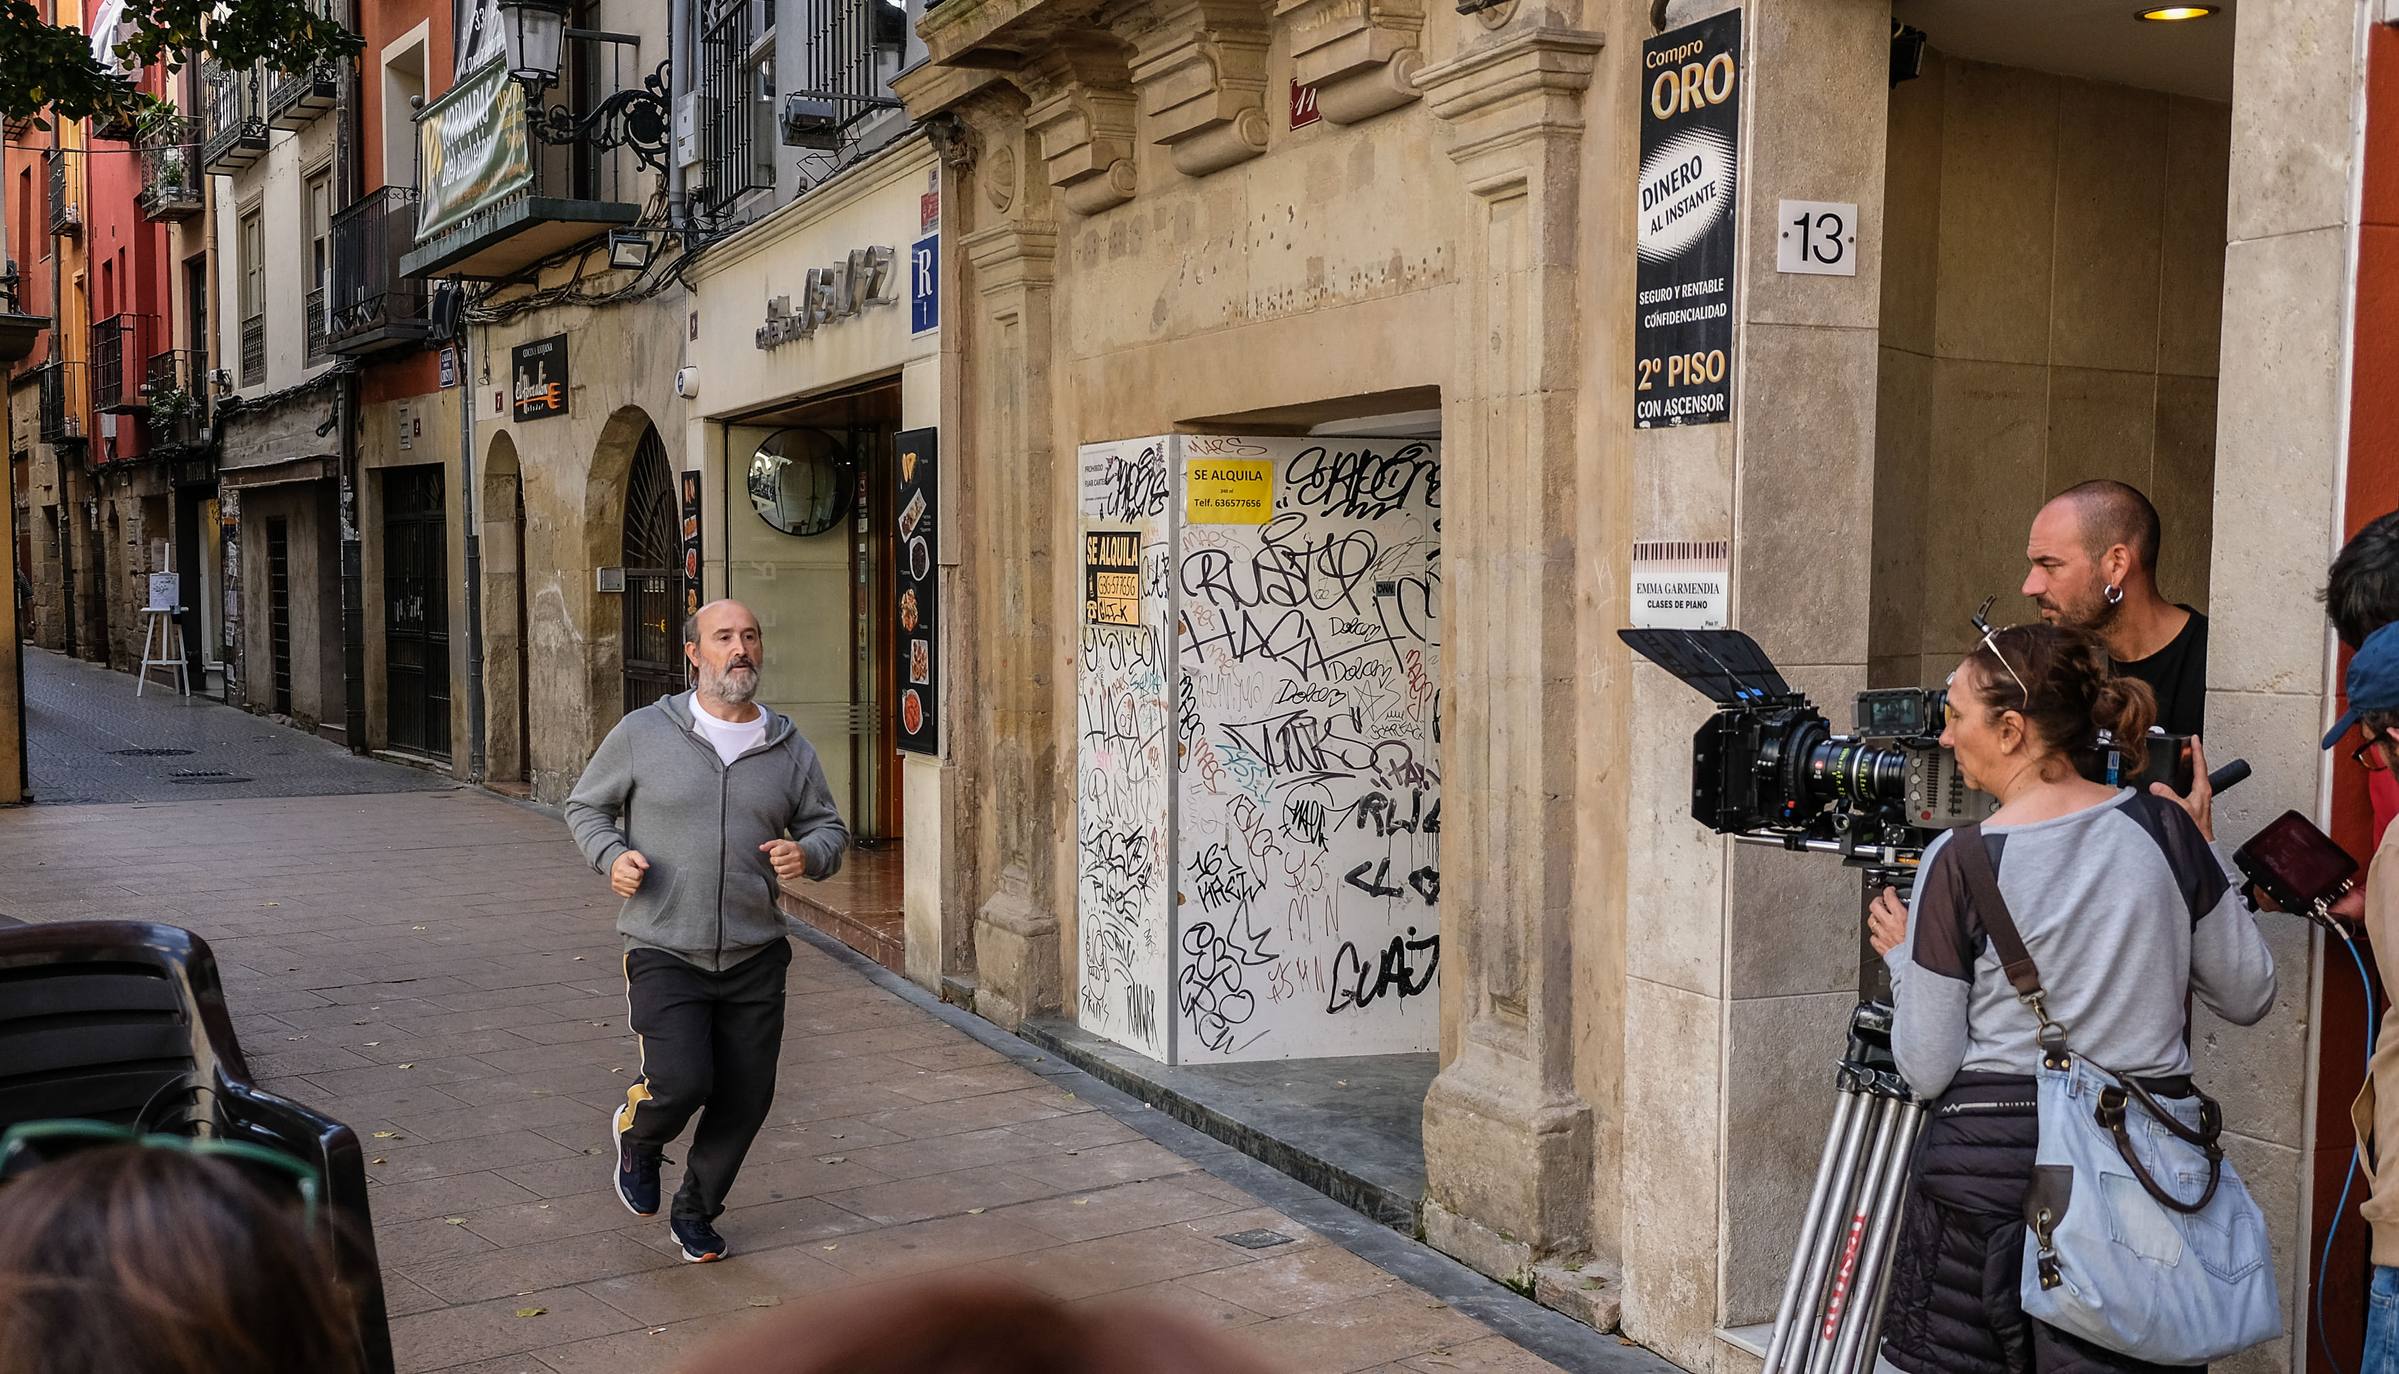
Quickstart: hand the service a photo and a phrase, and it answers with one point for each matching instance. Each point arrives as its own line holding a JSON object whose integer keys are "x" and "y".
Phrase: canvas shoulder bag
{"x": 2140, "y": 1236}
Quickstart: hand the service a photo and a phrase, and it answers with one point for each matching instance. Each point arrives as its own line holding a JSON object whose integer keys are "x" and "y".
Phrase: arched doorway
{"x": 653, "y": 629}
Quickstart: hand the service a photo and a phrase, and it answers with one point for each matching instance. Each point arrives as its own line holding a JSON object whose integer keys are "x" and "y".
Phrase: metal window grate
{"x": 727, "y": 106}
{"x": 853, "y": 48}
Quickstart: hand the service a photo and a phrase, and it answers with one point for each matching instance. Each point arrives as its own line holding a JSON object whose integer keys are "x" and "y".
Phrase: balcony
{"x": 375, "y": 308}
{"x": 62, "y": 402}
{"x": 171, "y": 173}
{"x": 66, "y": 217}
{"x": 120, "y": 345}
{"x": 237, "y": 122}
{"x": 254, "y": 349}
{"x": 176, "y": 382}
{"x": 487, "y": 213}
{"x": 297, "y": 99}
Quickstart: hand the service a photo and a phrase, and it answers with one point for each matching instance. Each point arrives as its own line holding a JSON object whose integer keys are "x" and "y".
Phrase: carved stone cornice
{"x": 1362, "y": 56}
{"x": 1082, "y": 112}
{"x": 1200, "y": 66}
{"x": 1528, "y": 85}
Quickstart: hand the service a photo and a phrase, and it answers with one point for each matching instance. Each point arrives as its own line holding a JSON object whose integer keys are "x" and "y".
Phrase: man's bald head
{"x": 2109, "y": 513}
{"x": 706, "y": 619}
{"x": 725, "y": 646}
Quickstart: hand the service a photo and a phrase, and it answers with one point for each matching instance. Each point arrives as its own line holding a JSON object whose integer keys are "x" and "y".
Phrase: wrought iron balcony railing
{"x": 66, "y": 216}
{"x": 254, "y": 349}
{"x": 61, "y": 401}
{"x": 237, "y": 123}
{"x": 316, "y": 326}
{"x": 176, "y": 383}
{"x": 171, "y": 172}
{"x": 374, "y": 307}
{"x": 121, "y": 345}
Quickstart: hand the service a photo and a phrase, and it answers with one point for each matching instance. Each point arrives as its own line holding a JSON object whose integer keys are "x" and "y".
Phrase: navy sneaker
{"x": 636, "y": 1176}
{"x": 699, "y": 1240}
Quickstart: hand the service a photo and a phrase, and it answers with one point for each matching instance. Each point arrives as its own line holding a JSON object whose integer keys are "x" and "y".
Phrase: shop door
{"x": 653, "y": 627}
{"x": 416, "y": 611}
{"x": 279, "y": 611}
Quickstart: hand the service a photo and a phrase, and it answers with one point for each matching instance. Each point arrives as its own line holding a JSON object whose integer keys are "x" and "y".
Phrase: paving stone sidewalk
{"x": 440, "y": 970}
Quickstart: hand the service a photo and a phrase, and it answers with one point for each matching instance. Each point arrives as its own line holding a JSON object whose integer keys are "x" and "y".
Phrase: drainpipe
{"x": 351, "y": 136}
{"x": 69, "y": 516}
{"x": 678, "y": 83}
{"x": 471, "y": 503}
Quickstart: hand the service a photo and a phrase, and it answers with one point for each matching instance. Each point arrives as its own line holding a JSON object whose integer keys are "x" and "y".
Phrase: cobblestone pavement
{"x": 82, "y": 719}
{"x": 440, "y": 971}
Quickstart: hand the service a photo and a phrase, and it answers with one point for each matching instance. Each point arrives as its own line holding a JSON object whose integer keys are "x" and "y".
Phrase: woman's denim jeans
{"x": 2382, "y": 1323}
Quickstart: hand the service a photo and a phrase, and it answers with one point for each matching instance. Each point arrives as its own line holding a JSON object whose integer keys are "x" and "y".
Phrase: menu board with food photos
{"x": 918, "y": 502}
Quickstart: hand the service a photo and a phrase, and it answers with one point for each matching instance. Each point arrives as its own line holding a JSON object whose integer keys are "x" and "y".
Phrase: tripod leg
{"x": 1845, "y": 1123}
{"x": 1831, "y": 1239}
{"x": 1855, "y": 1221}
{"x": 1863, "y": 1330}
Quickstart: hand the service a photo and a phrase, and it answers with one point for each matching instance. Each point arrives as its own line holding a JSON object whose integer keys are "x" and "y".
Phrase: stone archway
{"x": 506, "y": 681}
{"x": 628, "y": 433}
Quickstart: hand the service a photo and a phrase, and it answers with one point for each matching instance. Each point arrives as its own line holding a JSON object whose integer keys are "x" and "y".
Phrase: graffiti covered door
{"x": 1124, "y": 854}
{"x": 1308, "y": 801}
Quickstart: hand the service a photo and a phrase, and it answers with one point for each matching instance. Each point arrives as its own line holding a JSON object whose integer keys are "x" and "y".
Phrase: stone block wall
{"x": 2054, "y": 281}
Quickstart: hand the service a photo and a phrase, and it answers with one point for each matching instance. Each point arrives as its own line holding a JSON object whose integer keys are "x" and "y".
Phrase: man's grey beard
{"x": 733, "y": 686}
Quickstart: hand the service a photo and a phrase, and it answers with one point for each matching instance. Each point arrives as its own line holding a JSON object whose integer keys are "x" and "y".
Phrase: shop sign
{"x": 473, "y": 148}
{"x": 919, "y": 639}
{"x": 1682, "y": 584}
{"x": 924, "y": 285}
{"x": 867, "y": 277}
{"x": 449, "y": 366}
{"x": 1111, "y": 575}
{"x": 539, "y": 378}
{"x": 1227, "y": 491}
{"x": 1683, "y": 312}
{"x": 691, "y": 544}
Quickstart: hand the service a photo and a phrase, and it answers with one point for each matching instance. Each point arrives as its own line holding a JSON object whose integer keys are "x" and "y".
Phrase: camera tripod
{"x": 1831, "y": 1317}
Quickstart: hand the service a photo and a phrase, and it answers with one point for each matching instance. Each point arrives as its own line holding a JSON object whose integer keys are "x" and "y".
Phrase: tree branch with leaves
{"x": 47, "y": 71}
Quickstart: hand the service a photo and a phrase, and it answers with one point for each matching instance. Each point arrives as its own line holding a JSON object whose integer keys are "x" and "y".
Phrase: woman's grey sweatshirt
{"x": 2124, "y": 907}
{"x": 659, "y": 787}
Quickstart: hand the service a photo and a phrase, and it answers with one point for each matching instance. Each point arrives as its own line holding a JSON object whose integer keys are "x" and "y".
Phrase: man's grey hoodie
{"x": 657, "y": 785}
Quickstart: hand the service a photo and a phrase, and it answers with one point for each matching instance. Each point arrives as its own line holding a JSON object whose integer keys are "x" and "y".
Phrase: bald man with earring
{"x": 695, "y": 808}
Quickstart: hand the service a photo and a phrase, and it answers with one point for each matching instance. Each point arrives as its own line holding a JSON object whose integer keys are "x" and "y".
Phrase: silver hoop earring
{"x": 2114, "y": 594}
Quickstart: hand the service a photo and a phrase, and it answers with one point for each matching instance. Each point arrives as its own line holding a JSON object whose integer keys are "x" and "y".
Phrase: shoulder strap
{"x": 1982, "y": 888}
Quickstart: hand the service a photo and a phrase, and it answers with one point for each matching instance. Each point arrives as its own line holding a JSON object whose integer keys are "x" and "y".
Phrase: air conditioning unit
{"x": 811, "y": 121}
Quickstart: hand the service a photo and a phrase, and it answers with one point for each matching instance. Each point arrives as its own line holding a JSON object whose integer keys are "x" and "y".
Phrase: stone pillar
{"x": 1007, "y": 435}
{"x": 1742, "y": 962}
{"x": 2281, "y": 454}
{"x": 1507, "y": 1138}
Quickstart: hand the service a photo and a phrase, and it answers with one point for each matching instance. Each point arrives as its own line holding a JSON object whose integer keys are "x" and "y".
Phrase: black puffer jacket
{"x": 1953, "y": 1307}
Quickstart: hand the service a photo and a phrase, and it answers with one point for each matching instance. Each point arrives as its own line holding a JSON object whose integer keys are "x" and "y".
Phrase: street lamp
{"x": 534, "y": 32}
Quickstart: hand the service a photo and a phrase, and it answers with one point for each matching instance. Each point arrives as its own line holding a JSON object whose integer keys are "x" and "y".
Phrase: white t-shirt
{"x": 732, "y": 738}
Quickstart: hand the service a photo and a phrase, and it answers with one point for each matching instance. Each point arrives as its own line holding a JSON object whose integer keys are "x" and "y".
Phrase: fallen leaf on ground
{"x": 974, "y": 1211}
{"x": 379, "y": 1159}
{"x": 408, "y": 1066}
{"x": 832, "y": 1247}
{"x": 766, "y": 1301}
{"x": 385, "y": 1135}
{"x": 455, "y": 1221}
{"x": 832, "y": 1159}
{"x": 532, "y": 1311}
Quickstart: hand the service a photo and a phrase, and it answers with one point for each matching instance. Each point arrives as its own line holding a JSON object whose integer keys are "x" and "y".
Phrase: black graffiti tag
{"x": 1396, "y": 974}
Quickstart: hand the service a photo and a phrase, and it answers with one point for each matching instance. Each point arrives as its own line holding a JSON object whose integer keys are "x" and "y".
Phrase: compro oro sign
{"x": 473, "y": 146}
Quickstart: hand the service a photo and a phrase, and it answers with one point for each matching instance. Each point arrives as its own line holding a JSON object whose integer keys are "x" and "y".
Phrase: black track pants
{"x": 708, "y": 1045}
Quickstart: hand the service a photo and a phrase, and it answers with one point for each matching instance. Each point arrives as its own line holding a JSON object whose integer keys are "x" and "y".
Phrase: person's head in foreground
{"x": 131, "y": 1259}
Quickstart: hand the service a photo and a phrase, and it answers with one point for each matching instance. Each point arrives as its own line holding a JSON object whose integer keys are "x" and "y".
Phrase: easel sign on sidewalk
{"x": 162, "y": 634}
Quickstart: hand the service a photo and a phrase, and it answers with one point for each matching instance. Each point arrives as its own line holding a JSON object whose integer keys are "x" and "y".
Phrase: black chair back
{"x": 125, "y": 1022}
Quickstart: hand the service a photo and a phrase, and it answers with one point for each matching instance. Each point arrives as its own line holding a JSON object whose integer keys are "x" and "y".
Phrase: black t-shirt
{"x": 2178, "y": 674}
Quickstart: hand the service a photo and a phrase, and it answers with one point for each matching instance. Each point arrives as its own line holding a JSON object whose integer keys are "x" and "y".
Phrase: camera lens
{"x": 1846, "y": 770}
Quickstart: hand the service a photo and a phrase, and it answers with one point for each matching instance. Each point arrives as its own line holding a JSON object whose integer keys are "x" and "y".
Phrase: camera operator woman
{"x": 2127, "y": 910}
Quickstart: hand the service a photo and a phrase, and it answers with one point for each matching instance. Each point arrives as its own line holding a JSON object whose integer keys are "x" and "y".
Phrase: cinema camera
{"x": 1767, "y": 768}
